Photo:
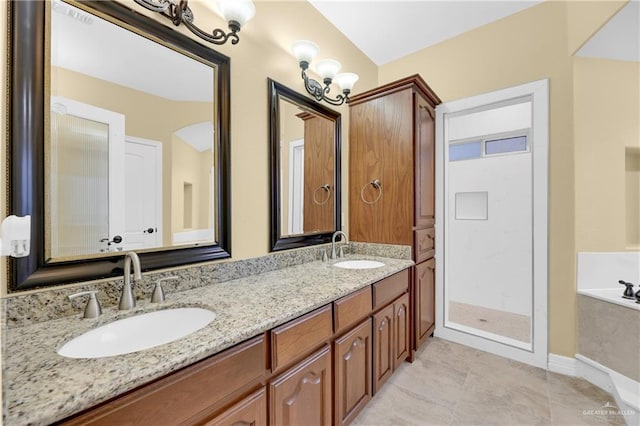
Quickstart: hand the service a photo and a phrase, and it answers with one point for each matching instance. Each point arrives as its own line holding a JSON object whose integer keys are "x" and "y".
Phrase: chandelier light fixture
{"x": 235, "y": 12}
{"x": 304, "y": 52}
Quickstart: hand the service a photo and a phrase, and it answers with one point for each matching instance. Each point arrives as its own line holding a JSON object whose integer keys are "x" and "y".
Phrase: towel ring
{"x": 377, "y": 185}
{"x": 327, "y": 188}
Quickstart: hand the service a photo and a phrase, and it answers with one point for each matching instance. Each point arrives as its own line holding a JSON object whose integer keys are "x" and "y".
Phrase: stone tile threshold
{"x": 452, "y": 384}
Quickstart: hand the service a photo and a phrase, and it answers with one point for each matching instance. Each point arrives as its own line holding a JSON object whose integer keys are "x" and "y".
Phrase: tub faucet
{"x": 333, "y": 243}
{"x": 628, "y": 291}
{"x": 127, "y": 299}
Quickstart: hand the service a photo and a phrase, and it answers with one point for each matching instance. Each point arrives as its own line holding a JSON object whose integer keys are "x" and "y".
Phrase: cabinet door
{"x": 250, "y": 411}
{"x": 400, "y": 323}
{"x": 381, "y": 141}
{"x": 302, "y": 394}
{"x": 383, "y": 355}
{"x": 352, "y": 361}
{"x": 424, "y": 300}
{"x": 424, "y": 164}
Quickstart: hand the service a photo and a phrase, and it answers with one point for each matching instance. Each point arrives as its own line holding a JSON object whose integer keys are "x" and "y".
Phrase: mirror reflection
{"x": 305, "y": 169}
{"x": 130, "y": 153}
{"x": 307, "y": 160}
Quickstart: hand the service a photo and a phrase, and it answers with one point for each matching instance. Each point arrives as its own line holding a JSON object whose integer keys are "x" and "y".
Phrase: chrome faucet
{"x": 333, "y": 243}
{"x": 127, "y": 299}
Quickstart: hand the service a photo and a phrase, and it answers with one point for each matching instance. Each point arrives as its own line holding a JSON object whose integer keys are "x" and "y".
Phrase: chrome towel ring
{"x": 377, "y": 185}
{"x": 327, "y": 188}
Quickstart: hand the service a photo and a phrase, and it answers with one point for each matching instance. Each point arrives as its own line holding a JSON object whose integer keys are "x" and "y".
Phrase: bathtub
{"x": 611, "y": 295}
{"x": 609, "y": 326}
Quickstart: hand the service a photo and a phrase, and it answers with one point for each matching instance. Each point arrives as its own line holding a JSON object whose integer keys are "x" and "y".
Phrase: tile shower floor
{"x": 451, "y": 384}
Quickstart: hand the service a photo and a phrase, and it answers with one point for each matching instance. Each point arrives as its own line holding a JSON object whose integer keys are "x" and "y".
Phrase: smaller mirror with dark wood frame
{"x": 305, "y": 169}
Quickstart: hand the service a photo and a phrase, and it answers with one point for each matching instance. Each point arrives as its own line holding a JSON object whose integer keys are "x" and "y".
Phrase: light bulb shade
{"x": 239, "y": 11}
{"x": 346, "y": 80}
{"x": 304, "y": 50}
{"x": 328, "y": 68}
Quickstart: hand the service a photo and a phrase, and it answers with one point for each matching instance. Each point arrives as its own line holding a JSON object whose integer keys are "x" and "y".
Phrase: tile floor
{"x": 451, "y": 384}
{"x": 502, "y": 323}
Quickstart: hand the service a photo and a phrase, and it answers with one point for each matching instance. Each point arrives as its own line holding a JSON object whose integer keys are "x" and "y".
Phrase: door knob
{"x": 117, "y": 239}
{"x": 148, "y": 231}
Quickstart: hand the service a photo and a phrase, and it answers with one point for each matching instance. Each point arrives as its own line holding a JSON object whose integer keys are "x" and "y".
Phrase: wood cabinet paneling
{"x": 392, "y": 139}
{"x": 352, "y": 363}
{"x": 318, "y": 150}
{"x": 295, "y": 339}
{"x": 424, "y": 288}
{"x": 381, "y": 147}
{"x": 302, "y": 394}
{"x": 383, "y": 354}
{"x": 425, "y": 164}
{"x": 424, "y": 244}
{"x": 188, "y": 395}
{"x": 386, "y": 290}
{"x": 250, "y": 411}
{"x": 401, "y": 331}
{"x": 350, "y": 309}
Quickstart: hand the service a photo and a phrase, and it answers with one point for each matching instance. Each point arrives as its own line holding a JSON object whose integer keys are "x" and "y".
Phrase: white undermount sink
{"x": 137, "y": 333}
{"x": 359, "y": 264}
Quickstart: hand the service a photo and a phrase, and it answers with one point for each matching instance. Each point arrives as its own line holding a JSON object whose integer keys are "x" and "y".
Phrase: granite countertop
{"x": 41, "y": 386}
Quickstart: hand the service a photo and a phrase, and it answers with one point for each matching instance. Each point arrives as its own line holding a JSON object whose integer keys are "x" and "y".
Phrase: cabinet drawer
{"x": 251, "y": 410}
{"x": 388, "y": 289}
{"x": 352, "y": 308}
{"x": 189, "y": 394}
{"x": 424, "y": 243}
{"x": 299, "y": 337}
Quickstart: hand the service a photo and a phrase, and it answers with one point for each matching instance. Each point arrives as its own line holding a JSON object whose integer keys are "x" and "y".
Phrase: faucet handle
{"x": 92, "y": 309}
{"x": 158, "y": 293}
{"x": 628, "y": 291}
{"x": 341, "y": 251}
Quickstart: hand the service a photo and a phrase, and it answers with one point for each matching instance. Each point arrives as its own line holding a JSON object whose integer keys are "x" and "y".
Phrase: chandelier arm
{"x": 313, "y": 87}
{"x": 339, "y": 100}
{"x": 181, "y": 14}
{"x": 217, "y": 36}
{"x": 156, "y": 6}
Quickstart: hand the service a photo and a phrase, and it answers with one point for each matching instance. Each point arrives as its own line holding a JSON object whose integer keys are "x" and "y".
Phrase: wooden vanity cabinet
{"x": 391, "y": 326}
{"x": 424, "y": 291}
{"x": 353, "y": 372}
{"x": 190, "y": 396}
{"x": 319, "y": 369}
{"x": 392, "y": 139}
{"x": 383, "y": 352}
{"x": 302, "y": 394}
{"x": 251, "y": 410}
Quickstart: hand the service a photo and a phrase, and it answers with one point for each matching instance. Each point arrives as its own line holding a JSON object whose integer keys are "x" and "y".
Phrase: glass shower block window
{"x": 506, "y": 145}
{"x": 465, "y": 151}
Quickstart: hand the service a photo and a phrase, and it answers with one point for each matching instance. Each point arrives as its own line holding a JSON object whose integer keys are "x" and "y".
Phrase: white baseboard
{"x": 562, "y": 365}
{"x": 625, "y": 391}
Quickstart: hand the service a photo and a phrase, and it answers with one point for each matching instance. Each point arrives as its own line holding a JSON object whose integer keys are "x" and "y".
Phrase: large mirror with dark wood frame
{"x": 119, "y": 141}
{"x": 305, "y": 169}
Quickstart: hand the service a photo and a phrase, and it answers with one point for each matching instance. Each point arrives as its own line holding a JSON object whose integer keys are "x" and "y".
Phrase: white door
{"x": 86, "y": 179}
{"x": 491, "y": 256}
{"x": 143, "y": 194}
{"x": 296, "y": 186}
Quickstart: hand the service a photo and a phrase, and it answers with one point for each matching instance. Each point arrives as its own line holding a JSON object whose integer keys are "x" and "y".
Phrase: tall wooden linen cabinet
{"x": 392, "y": 182}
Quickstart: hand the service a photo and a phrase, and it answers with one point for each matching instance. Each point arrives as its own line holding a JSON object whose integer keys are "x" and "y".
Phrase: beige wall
{"x": 606, "y": 116}
{"x": 531, "y": 45}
